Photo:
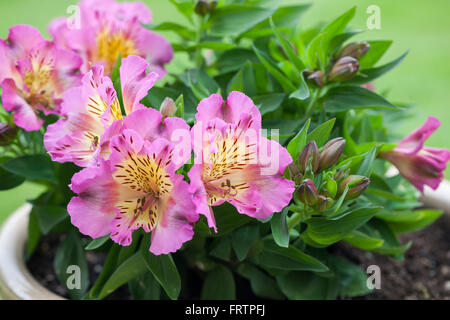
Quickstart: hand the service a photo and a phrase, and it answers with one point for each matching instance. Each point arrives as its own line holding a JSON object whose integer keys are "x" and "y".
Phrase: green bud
{"x": 309, "y": 154}
{"x": 295, "y": 173}
{"x": 331, "y": 153}
{"x": 355, "y": 50}
{"x": 324, "y": 203}
{"x": 331, "y": 187}
{"x": 344, "y": 69}
{"x": 203, "y": 7}
{"x": 357, "y": 185}
{"x": 168, "y": 108}
{"x": 307, "y": 192}
{"x": 7, "y": 134}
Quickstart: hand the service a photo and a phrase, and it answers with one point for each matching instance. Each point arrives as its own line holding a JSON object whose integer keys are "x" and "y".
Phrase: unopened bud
{"x": 341, "y": 174}
{"x": 295, "y": 173}
{"x": 344, "y": 69}
{"x": 316, "y": 77}
{"x": 331, "y": 153}
{"x": 309, "y": 154}
{"x": 307, "y": 192}
{"x": 168, "y": 108}
{"x": 324, "y": 203}
{"x": 203, "y": 7}
{"x": 355, "y": 50}
{"x": 7, "y": 134}
{"x": 357, "y": 185}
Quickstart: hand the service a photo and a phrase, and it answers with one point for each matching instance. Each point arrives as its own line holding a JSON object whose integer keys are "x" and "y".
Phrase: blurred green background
{"x": 416, "y": 25}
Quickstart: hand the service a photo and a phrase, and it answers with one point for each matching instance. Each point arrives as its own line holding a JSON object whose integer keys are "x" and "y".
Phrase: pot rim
{"x": 17, "y": 283}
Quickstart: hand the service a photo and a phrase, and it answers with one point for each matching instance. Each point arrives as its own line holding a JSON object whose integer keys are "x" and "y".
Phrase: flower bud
{"x": 310, "y": 153}
{"x": 168, "y": 108}
{"x": 316, "y": 77}
{"x": 307, "y": 192}
{"x": 355, "y": 50}
{"x": 203, "y": 7}
{"x": 331, "y": 153}
{"x": 7, "y": 134}
{"x": 344, "y": 69}
{"x": 295, "y": 173}
{"x": 357, "y": 185}
{"x": 341, "y": 174}
{"x": 324, "y": 203}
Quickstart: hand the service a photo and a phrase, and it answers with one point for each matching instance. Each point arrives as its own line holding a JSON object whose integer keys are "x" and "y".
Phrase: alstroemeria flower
{"x": 34, "y": 74}
{"x": 108, "y": 28}
{"x": 136, "y": 188}
{"x": 418, "y": 164}
{"x": 234, "y": 162}
{"x": 92, "y": 113}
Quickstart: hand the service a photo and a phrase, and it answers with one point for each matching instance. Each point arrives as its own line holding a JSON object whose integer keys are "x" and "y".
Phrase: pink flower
{"x": 136, "y": 188}
{"x": 418, "y": 164}
{"x": 108, "y": 28}
{"x": 234, "y": 162}
{"x": 34, "y": 74}
{"x": 92, "y": 115}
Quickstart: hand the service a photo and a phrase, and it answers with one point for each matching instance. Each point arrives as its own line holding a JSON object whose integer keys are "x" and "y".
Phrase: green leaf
{"x": 179, "y": 29}
{"x": 235, "y": 19}
{"x": 34, "y": 167}
{"x": 302, "y": 93}
{"x": 344, "y": 98}
{"x": 409, "y": 221}
{"x": 362, "y": 240}
{"x": 290, "y": 258}
{"x": 217, "y": 46}
{"x": 319, "y": 46}
{"x": 352, "y": 279}
{"x": 391, "y": 246}
{"x": 288, "y": 50}
{"x": 243, "y": 81}
{"x": 262, "y": 285}
{"x": 300, "y": 285}
{"x": 126, "y": 271}
{"x": 97, "y": 243}
{"x": 179, "y": 103}
{"x": 9, "y": 180}
{"x": 280, "y": 230}
{"x": 243, "y": 239}
{"x": 235, "y": 59}
{"x": 228, "y": 219}
{"x": 365, "y": 169}
{"x": 71, "y": 253}
{"x": 321, "y": 133}
{"x": 326, "y": 231}
{"x": 185, "y": 7}
{"x": 34, "y": 233}
{"x": 269, "y": 103}
{"x": 49, "y": 216}
{"x": 222, "y": 249}
{"x": 145, "y": 287}
{"x": 274, "y": 70}
{"x": 368, "y": 75}
{"x": 165, "y": 272}
{"x": 377, "y": 49}
{"x": 297, "y": 144}
{"x": 219, "y": 285}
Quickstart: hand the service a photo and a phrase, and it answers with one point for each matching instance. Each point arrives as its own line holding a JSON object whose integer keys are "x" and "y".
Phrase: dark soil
{"x": 41, "y": 267}
{"x": 423, "y": 274}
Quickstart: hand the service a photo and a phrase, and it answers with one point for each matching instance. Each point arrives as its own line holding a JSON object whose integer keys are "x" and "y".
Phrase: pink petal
{"x": 135, "y": 81}
{"x": 175, "y": 226}
{"x": 415, "y": 140}
{"x": 24, "y": 115}
{"x": 93, "y": 210}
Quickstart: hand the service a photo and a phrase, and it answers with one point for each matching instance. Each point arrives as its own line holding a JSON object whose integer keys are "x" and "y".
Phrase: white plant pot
{"x": 17, "y": 283}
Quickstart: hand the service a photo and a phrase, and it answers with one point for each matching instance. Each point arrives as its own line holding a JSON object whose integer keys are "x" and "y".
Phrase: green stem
{"x": 312, "y": 103}
{"x": 199, "y": 37}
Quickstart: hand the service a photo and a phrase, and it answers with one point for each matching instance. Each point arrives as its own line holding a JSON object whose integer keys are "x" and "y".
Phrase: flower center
{"x": 110, "y": 45}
